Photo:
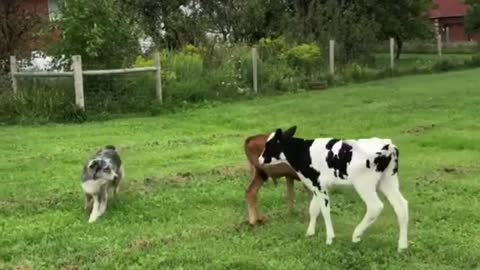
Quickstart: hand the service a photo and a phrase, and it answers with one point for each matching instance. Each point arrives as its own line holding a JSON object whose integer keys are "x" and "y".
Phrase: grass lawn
{"x": 182, "y": 205}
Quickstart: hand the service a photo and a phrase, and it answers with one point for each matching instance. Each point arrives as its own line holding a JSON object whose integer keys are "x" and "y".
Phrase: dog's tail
{"x": 111, "y": 147}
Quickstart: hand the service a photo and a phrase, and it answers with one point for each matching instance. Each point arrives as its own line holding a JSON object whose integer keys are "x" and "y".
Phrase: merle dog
{"x": 100, "y": 178}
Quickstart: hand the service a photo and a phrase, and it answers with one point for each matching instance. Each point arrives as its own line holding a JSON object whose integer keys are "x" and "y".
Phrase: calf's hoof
{"x": 310, "y": 232}
{"x": 329, "y": 240}
{"x": 261, "y": 220}
{"x": 356, "y": 239}
{"x": 402, "y": 247}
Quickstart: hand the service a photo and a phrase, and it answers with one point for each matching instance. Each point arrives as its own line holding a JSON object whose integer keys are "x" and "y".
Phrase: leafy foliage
{"x": 18, "y": 26}
{"x": 472, "y": 18}
{"x": 306, "y": 57}
{"x": 402, "y": 20}
{"x": 98, "y": 31}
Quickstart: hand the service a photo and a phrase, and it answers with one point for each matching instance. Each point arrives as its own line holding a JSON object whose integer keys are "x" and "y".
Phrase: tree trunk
{"x": 399, "y": 48}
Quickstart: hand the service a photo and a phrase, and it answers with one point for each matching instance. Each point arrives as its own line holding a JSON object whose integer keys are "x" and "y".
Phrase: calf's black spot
{"x": 326, "y": 202}
{"x": 381, "y": 162}
{"x": 368, "y": 163}
{"x": 339, "y": 162}
{"x": 397, "y": 156}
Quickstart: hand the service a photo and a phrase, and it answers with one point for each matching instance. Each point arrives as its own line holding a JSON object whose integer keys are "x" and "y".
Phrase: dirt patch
{"x": 182, "y": 179}
{"x": 420, "y": 129}
{"x": 456, "y": 170}
{"x": 141, "y": 243}
{"x": 22, "y": 267}
{"x": 70, "y": 267}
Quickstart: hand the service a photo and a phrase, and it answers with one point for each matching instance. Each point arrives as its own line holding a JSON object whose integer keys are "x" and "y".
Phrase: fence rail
{"x": 78, "y": 74}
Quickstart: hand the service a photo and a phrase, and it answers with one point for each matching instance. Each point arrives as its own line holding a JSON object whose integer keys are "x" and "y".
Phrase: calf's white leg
{"x": 368, "y": 193}
{"x": 390, "y": 187}
{"x": 321, "y": 203}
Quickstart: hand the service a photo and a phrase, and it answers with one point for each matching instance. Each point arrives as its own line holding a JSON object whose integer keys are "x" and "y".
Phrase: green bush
{"x": 99, "y": 32}
{"x": 446, "y": 64}
{"x": 272, "y": 49}
{"x": 357, "y": 73}
{"x": 305, "y": 57}
{"x": 279, "y": 78}
{"x": 474, "y": 61}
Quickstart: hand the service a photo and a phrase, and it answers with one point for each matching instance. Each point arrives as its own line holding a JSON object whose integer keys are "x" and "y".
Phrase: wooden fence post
{"x": 158, "y": 77}
{"x": 439, "y": 44}
{"x": 254, "y": 68}
{"x": 13, "y": 70}
{"x": 392, "y": 53}
{"x": 78, "y": 81}
{"x": 447, "y": 34}
{"x": 332, "y": 56}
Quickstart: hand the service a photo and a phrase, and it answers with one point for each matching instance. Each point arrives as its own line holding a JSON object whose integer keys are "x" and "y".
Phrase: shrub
{"x": 99, "y": 32}
{"x": 474, "y": 61}
{"x": 305, "y": 57}
{"x": 357, "y": 73}
{"x": 446, "y": 64}
{"x": 282, "y": 78}
{"x": 190, "y": 49}
{"x": 272, "y": 49}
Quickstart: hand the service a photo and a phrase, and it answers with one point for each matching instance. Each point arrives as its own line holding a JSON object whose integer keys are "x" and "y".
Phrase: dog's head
{"x": 101, "y": 169}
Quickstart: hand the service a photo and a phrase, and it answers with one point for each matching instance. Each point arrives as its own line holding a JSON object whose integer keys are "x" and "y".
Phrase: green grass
{"x": 182, "y": 205}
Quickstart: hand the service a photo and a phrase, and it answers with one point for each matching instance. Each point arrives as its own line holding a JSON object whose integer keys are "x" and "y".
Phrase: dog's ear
{"x": 93, "y": 164}
{"x": 96, "y": 164}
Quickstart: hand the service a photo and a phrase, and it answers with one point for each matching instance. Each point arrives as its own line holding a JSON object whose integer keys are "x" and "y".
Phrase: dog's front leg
{"x": 95, "y": 209}
{"x": 88, "y": 203}
{"x": 103, "y": 199}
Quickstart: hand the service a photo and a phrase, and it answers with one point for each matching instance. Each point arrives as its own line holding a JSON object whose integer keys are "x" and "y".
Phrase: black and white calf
{"x": 367, "y": 164}
{"x": 101, "y": 177}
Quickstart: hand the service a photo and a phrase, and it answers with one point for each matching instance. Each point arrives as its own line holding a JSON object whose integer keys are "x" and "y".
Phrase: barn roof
{"x": 448, "y": 8}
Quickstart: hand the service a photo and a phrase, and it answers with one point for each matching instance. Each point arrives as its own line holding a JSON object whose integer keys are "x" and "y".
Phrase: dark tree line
{"x": 108, "y": 29}
{"x": 356, "y": 24}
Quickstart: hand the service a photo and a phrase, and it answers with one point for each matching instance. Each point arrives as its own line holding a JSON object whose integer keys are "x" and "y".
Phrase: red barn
{"x": 450, "y": 16}
{"x": 44, "y": 8}
{"x": 47, "y": 10}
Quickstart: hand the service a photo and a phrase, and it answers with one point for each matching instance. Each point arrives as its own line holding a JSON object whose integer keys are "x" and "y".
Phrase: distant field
{"x": 410, "y": 60}
{"x": 182, "y": 205}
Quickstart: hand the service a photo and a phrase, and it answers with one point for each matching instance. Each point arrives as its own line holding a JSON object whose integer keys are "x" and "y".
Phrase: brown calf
{"x": 253, "y": 149}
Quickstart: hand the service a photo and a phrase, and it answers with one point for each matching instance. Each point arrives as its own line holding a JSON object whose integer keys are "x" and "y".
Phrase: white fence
{"x": 78, "y": 73}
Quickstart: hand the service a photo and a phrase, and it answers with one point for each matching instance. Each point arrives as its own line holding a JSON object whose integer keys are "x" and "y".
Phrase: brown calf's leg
{"x": 290, "y": 194}
{"x": 251, "y": 195}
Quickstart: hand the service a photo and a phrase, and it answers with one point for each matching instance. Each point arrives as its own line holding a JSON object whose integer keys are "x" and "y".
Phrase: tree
{"x": 403, "y": 20}
{"x": 348, "y": 22}
{"x": 171, "y": 23}
{"x": 472, "y": 18}
{"x": 100, "y": 32}
{"x": 17, "y": 26}
{"x": 246, "y": 20}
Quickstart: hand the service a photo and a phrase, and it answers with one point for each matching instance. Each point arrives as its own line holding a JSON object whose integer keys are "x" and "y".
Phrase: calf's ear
{"x": 278, "y": 134}
{"x": 289, "y": 132}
